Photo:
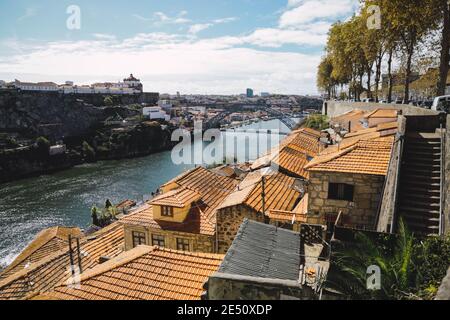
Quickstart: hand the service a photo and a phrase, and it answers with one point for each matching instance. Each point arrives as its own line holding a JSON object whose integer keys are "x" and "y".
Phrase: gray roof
{"x": 265, "y": 251}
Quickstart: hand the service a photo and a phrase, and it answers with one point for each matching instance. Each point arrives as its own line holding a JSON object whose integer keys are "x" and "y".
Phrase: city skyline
{"x": 195, "y": 48}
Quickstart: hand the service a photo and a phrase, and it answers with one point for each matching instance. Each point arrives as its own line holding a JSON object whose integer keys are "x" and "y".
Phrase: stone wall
{"x": 337, "y": 108}
{"x": 367, "y": 195}
{"x": 389, "y": 199}
{"x": 229, "y": 221}
{"x": 222, "y": 286}
{"x": 447, "y": 179}
{"x": 197, "y": 242}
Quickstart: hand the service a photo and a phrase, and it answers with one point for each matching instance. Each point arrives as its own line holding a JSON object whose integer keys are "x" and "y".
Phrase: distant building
{"x": 265, "y": 94}
{"x": 2, "y": 84}
{"x": 155, "y": 113}
{"x": 39, "y": 86}
{"x": 249, "y": 93}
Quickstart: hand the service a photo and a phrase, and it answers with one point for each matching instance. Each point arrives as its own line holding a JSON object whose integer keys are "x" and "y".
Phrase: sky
{"x": 187, "y": 46}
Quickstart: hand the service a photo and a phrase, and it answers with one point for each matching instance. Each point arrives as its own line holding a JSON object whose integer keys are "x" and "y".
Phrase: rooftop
{"x": 280, "y": 190}
{"x": 178, "y": 198}
{"x": 144, "y": 273}
{"x": 370, "y": 156}
{"x": 44, "y": 274}
{"x": 264, "y": 251}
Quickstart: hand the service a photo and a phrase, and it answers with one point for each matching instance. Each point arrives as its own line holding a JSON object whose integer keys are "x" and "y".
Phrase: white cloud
{"x": 167, "y": 63}
{"x": 103, "y": 36}
{"x": 160, "y": 18}
{"x": 307, "y": 11}
{"x": 196, "y": 28}
{"x": 29, "y": 13}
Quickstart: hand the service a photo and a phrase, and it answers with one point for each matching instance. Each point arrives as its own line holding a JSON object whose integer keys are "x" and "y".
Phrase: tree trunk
{"x": 378, "y": 75}
{"x": 369, "y": 80}
{"x": 445, "y": 54}
{"x": 408, "y": 71}
{"x": 391, "y": 85}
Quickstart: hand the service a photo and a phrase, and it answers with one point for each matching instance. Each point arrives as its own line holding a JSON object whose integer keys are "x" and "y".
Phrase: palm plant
{"x": 398, "y": 277}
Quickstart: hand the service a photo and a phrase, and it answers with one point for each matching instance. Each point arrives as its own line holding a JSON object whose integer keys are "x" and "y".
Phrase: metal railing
{"x": 442, "y": 183}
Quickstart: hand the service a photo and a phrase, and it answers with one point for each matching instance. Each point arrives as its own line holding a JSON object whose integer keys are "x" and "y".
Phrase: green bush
{"x": 88, "y": 152}
{"x": 317, "y": 122}
{"x": 108, "y": 101}
{"x": 43, "y": 144}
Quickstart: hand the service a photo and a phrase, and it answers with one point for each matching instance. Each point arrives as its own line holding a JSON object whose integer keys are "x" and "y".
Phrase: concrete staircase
{"x": 420, "y": 183}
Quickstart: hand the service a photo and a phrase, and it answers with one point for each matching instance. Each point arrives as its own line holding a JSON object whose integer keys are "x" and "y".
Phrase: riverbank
{"x": 65, "y": 198}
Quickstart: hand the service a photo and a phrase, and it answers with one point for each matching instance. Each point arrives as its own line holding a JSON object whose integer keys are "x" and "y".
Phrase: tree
{"x": 324, "y": 79}
{"x": 397, "y": 271}
{"x": 108, "y": 101}
{"x": 43, "y": 145}
{"x": 443, "y": 9}
{"x": 94, "y": 216}
{"x": 88, "y": 152}
{"x": 411, "y": 20}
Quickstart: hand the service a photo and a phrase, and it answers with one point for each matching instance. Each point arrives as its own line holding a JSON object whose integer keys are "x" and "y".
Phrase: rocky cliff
{"x": 90, "y": 132}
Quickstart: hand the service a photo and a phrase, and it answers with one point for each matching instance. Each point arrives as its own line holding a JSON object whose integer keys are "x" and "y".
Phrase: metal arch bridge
{"x": 291, "y": 124}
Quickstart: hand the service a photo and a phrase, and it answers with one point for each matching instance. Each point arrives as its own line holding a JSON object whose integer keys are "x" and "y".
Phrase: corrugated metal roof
{"x": 265, "y": 251}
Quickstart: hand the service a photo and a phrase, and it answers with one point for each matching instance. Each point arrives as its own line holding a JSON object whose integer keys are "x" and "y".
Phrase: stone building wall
{"x": 229, "y": 221}
{"x": 367, "y": 196}
{"x": 197, "y": 242}
{"x": 222, "y": 286}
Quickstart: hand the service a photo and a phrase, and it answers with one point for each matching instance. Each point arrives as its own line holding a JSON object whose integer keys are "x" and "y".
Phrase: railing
{"x": 397, "y": 182}
{"x": 443, "y": 184}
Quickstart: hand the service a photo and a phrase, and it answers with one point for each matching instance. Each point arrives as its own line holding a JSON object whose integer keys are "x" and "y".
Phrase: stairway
{"x": 420, "y": 183}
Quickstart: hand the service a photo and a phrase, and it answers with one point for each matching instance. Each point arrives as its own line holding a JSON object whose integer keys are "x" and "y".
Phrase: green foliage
{"x": 317, "y": 122}
{"x": 409, "y": 269}
{"x": 108, "y": 101}
{"x": 43, "y": 145}
{"x": 103, "y": 217}
{"x": 88, "y": 152}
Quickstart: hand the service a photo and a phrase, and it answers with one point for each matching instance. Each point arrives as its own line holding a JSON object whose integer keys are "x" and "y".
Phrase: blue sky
{"x": 191, "y": 46}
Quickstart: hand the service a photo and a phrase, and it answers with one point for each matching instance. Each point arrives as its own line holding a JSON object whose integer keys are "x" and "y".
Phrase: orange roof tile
{"x": 144, "y": 273}
{"x": 178, "y": 198}
{"x": 280, "y": 192}
{"x": 43, "y": 275}
{"x": 382, "y": 113}
{"x": 296, "y": 215}
{"x": 366, "y": 157}
{"x": 292, "y": 161}
{"x": 197, "y": 222}
{"x": 46, "y": 242}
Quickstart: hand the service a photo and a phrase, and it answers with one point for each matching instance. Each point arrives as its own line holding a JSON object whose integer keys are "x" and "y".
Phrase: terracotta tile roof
{"x": 213, "y": 187}
{"x": 296, "y": 215}
{"x": 196, "y": 222}
{"x": 355, "y": 117}
{"x": 292, "y": 161}
{"x": 43, "y": 275}
{"x": 144, "y": 273}
{"x": 307, "y": 141}
{"x": 382, "y": 113}
{"x": 280, "y": 191}
{"x": 383, "y": 128}
{"x": 178, "y": 198}
{"x": 366, "y": 157}
{"x": 46, "y": 242}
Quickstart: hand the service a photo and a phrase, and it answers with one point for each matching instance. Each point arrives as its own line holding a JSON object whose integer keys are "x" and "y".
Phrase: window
{"x": 340, "y": 191}
{"x": 167, "y": 211}
{"x": 182, "y": 244}
{"x": 138, "y": 238}
{"x": 158, "y": 241}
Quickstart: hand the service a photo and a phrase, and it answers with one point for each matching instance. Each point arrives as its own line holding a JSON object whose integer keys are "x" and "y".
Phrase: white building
{"x": 39, "y": 86}
{"x": 155, "y": 113}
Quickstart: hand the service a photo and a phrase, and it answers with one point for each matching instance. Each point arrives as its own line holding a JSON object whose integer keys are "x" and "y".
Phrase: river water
{"x": 65, "y": 198}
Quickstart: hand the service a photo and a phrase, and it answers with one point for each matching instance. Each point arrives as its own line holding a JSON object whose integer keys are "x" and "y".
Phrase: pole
{"x": 79, "y": 255}
{"x": 263, "y": 195}
{"x": 71, "y": 255}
